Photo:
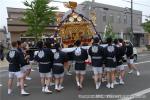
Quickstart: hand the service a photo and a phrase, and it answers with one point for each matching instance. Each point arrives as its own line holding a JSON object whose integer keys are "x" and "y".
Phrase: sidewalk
{"x": 3, "y": 63}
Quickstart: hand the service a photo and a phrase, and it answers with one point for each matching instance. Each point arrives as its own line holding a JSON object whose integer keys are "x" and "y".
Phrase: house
{"x": 118, "y": 17}
{"x": 18, "y": 28}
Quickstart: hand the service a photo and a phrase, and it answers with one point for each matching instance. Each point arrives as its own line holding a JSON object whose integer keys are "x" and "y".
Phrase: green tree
{"x": 108, "y": 32}
{"x": 38, "y": 15}
{"x": 146, "y": 25}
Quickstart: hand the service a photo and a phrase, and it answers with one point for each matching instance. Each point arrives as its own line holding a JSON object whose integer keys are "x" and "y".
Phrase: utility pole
{"x": 131, "y": 33}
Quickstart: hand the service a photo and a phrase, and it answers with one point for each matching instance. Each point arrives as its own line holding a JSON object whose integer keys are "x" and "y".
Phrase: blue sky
{"x": 121, "y": 3}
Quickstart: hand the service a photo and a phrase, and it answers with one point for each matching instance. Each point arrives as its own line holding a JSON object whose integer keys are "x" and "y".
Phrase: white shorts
{"x": 97, "y": 70}
{"x": 59, "y": 75}
{"x": 121, "y": 67}
{"x": 130, "y": 61}
{"x": 82, "y": 72}
{"x": 109, "y": 69}
{"x": 49, "y": 74}
{"x": 33, "y": 64}
{"x": 25, "y": 68}
{"x": 17, "y": 74}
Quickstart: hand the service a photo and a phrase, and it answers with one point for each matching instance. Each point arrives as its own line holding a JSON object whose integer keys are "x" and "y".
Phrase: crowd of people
{"x": 106, "y": 62}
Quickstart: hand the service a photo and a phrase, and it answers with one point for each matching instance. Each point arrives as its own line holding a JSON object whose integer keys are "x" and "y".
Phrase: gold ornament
{"x": 71, "y": 4}
{"x": 71, "y": 19}
{"x": 74, "y": 15}
{"x": 79, "y": 19}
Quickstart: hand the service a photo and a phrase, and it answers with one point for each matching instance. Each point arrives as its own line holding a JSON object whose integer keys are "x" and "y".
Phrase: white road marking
{"x": 1, "y": 85}
{"x": 3, "y": 71}
{"x": 139, "y": 63}
{"x": 142, "y": 55}
{"x": 142, "y": 62}
{"x": 137, "y": 95}
{"x": 140, "y": 93}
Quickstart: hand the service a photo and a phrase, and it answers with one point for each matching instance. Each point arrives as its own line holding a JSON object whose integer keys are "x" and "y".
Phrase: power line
{"x": 125, "y": 12}
{"x": 136, "y": 3}
{"x": 58, "y": 1}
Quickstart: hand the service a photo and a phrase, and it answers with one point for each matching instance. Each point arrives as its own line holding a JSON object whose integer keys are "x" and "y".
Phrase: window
{"x": 15, "y": 15}
{"x": 104, "y": 17}
{"x": 111, "y": 19}
{"x": 119, "y": 19}
{"x": 125, "y": 19}
{"x": 139, "y": 21}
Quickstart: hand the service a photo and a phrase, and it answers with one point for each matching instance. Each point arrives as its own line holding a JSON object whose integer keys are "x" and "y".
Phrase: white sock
{"x": 108, "y": 83}
{"x": 46, "y": 87}
{"x": 56, "y": 86}
{"x": 59, "y": 85}
{"x": 78, "y": 83}
{"x": 9, "y": 91}
{"x": 43, "y": 88}
{"x": 121, "y": 79}
{"x": 97, "y": 83}
{"x": 138, "y": 71}
{"x": 22, "y": 91}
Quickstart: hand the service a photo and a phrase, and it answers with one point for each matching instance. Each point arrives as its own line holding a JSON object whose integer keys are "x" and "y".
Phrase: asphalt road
{"x": 133, "y": 85}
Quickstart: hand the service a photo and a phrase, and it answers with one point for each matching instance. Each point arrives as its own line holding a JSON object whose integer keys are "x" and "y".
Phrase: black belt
{"x": 79, "y": 61}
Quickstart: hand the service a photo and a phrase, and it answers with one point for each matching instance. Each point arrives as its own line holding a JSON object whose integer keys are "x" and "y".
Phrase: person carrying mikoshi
{"x": 79, "y": 56}
{"x": 130, "y": 59}
{"x": 44, "y": 58}
{"x": 60, "y": 58}
{"x": 110, "y": 64}
{"x": 25, "y": 67}
{"x": 96, "y": 52}
{"x": 15, "y": 60}
{"x": 119, "y": 60}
